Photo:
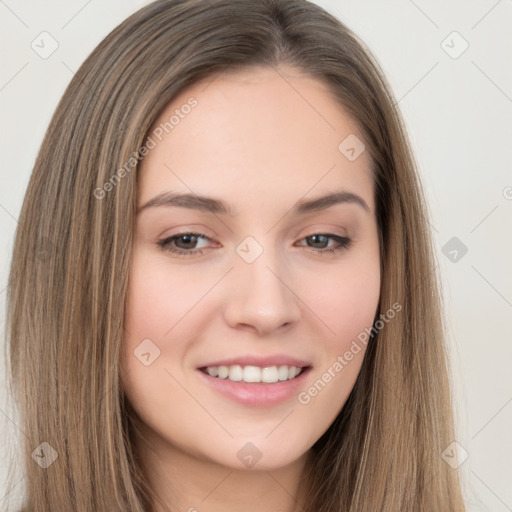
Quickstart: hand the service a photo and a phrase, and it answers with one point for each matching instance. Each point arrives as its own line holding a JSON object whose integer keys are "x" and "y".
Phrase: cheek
{"x": 158, "y": 298}
{"x": 156, "y": 301}
{"x": 344, "y": 300}
{"x": 346, "y": 305}
{"x": 151, "y": 311}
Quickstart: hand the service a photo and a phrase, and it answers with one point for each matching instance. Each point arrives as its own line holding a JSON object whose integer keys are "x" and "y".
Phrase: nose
{"x": 261, "y": 296}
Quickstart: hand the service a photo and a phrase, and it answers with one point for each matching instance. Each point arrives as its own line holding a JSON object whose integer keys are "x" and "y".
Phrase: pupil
{"x": 187, "y": 238}
{"x": 315, "y": 238}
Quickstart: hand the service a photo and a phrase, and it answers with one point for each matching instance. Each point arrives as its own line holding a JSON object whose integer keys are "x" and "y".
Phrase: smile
{"x": 251, "y": 374}
{"x": 255, "y": 386}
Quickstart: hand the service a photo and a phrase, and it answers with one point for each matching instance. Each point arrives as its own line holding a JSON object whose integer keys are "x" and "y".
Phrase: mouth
{"x": 254, "y": 374}
{"x": 256, "y": 386}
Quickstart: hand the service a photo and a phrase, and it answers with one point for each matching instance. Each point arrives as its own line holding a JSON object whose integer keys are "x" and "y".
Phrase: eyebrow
{"x": 216, "y": 206}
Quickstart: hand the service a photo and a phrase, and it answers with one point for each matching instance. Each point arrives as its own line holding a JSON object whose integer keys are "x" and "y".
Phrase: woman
{"x": 221, "y": 284}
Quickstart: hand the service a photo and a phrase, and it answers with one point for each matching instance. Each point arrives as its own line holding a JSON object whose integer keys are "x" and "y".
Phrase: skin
{"x": 260, "y": 141}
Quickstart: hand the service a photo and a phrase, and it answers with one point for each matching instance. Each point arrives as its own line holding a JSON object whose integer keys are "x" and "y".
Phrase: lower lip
{"x": 257, "y": 394}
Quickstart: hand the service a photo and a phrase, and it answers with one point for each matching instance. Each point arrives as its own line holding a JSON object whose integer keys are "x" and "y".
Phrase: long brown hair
{"x": 71, "y": 260}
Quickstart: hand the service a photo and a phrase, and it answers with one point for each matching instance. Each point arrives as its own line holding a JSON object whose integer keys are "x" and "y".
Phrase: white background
{"x": 458, "y": 112}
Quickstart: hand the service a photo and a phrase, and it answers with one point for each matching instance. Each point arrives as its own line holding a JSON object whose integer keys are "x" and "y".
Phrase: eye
{"x": 323, "y": 238}
{"x": 186, "y": 239}
{"x": 188, "y": 242}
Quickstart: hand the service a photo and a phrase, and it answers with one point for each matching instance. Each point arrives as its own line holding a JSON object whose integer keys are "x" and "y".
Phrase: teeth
{"x": 269, "y": 374}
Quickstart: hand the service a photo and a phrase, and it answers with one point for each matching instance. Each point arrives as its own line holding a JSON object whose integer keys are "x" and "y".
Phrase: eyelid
{"x": 197, "y": 229}
{"x": 321, "y": 228}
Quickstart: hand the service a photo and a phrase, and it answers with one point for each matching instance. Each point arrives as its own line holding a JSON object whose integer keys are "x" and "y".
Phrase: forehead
{"x": 259, "y": 132}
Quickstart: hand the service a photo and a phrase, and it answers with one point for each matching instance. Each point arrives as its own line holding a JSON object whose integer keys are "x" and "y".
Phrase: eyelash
{"x": 165, "y": 244}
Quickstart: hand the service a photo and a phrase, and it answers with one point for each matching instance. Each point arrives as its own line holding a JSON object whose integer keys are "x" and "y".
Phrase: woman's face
{"x": 271, "y": 279}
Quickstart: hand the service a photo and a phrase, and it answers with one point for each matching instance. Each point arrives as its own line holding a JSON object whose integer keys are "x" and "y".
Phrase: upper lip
{"x": 261, "y": 361}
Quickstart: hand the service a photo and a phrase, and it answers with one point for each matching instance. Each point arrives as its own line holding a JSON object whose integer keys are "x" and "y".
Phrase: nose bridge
{"x": 262, "y": 294}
